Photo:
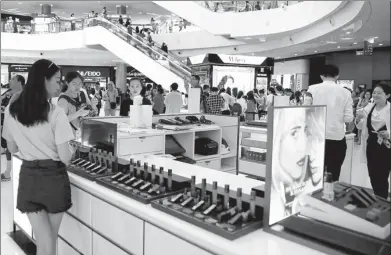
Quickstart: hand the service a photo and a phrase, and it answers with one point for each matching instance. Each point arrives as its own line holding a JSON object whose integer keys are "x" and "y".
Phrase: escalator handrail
{"x": 175, "y": 62}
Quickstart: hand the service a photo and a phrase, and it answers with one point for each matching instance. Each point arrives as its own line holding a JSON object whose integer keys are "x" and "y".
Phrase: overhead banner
{"x": 230, "y": 59}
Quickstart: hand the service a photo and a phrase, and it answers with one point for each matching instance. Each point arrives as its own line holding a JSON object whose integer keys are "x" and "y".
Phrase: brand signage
{"x": 90, "y": 73}
{"x": 241, "y": 60}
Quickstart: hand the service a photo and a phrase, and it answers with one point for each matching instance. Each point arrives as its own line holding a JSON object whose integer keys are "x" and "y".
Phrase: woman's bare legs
{"x": 43, "y": 232}
{"x": 45, "y": 227}
{"x": 55, "y": 222}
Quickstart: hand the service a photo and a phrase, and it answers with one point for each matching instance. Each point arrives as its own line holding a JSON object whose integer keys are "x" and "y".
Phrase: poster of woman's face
{"x": 297, "y": 157}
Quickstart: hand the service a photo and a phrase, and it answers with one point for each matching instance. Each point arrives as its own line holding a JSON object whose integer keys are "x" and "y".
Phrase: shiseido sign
{"x": 90, "y": 73}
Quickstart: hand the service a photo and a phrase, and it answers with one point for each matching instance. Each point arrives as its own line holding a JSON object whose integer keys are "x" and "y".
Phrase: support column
{"x": 120, "y": 76}
{"x": 46, "y": 9}
{"x": 121, "y": 9}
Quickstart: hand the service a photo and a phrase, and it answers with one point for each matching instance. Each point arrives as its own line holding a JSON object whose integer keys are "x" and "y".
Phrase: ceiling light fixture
{"x": 380, "y": 44}
{"x": 316, "y": 51}
{"x": 348, "y": 33}
{"x": 339, "y": 47}
{"x": 295, "y": 54}
{"x": 355, "y": 43}
{"x": 376, "y": 37}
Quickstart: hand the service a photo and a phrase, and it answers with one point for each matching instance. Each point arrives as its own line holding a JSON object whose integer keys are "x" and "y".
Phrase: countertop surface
{"x": 255, "y": 243}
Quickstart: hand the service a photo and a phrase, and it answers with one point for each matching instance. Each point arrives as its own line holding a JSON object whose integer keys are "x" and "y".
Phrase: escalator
{"x": 161, "y": 67}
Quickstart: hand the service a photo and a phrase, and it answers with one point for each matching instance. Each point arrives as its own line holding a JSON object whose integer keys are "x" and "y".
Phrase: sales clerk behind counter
{"x": 339, "y": 111}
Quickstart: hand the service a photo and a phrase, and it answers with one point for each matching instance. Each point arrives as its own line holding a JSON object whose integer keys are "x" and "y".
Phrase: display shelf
{"x": 232, "y": 154}
{"x": 198, "y": 157}
{"x": 228, "y": 168}
{"x": 255, "y": 169}
{"x": 253, "y": 161}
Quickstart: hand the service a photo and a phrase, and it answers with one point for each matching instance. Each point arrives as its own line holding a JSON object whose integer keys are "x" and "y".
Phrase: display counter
{"x": 254, "y": 139}
{"x": 103, "y": 222}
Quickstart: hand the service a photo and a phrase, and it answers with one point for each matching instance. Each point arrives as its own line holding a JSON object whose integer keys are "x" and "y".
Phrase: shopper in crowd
{"x": 279, "y": 90}
{"x": 226, "y": 81}
{"x": 257, "y": 6}
{"x": 137, "y": 30}
{"x": 206, "y": 90}
{"x": 229, "y": 91}
{"x": 127, "y": 23}
{"x": 104, "y": 12}
{"x": 339, "y": 111}
{"x": 73, "y": 22}
{"x": 235, "y": 92}
{"x": 92, "y": 15}
{"x": 295, "y": 99}
{"x": 288, "y": 92}
{"x": 144, "y": 98}
{"x": 374, "y": 121}
{"x": 40, "y": 133}
{"x": 149, "y": 92}
{"x": 73, "y": 100}
{"x": 228, "y": 102}
{"x": 120, "y": 20}
{"x": 307, "y": 98}
{"x": 97, "y": 96}
{"x": 261, "y": 103}
{"x": 158, "y": 102}
{"x": 363, "y": 102}
{"x": 15, "y": 87}
{"x": 270, "y": 98}
{"x": 243, "y": 103}
{"x": 252, "y": 107}
{"x": 173, "y": 100}
{"x": 365, "y": 99}
{"x": 214, "y": 102}
{"x": 110, "y": 99}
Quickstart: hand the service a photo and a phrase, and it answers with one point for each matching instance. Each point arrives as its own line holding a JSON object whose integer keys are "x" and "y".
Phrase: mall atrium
{"x": 195, "y": 127}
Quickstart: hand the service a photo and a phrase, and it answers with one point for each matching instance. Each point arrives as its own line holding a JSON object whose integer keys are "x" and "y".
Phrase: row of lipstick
{"x": 144, "y": 180}
{"x": 201, "y": 201}
{"x": 98, "y": 162}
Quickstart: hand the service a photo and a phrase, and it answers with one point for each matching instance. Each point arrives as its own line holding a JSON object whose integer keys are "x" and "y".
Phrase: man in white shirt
{"x": 339, "y": 111}
{"x": 173, "y": 100}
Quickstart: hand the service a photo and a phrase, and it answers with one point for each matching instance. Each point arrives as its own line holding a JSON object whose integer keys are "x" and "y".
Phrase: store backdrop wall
{"x": 362, "y": 69}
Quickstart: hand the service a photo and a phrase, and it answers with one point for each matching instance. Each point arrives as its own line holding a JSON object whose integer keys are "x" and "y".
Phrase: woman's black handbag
{"x": 113, "y": 105}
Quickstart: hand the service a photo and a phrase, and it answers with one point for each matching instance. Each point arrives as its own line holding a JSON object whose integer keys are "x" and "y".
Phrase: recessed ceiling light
{"x": 295, "y": 54}
{"x": 316, "y": 51}
{"x": 127, "y": 6}
{"x": 380, "y": 44}
{"x": 376, "y": 37}
{"x": 51, "y": 5}
{"x": 20, "y": 3}
{"x": 338, "y": 47}
{"x": 348, "y": 33}
{"x": 355, "y": 43}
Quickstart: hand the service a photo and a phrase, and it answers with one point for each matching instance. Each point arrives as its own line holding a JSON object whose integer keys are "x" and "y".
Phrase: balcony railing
{"x": 244, "y": 6}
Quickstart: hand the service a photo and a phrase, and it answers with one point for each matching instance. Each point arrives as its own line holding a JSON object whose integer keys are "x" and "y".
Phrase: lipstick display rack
{"x": 144, "y": 183}
{"x": 230, "y": 214}
{"x": 93, "y": 164}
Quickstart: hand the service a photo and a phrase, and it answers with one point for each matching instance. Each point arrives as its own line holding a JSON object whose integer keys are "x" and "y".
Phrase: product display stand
{"x": 222, "y": 211}
{"x": 355, "y": 222}
{"x": 146, "y": 183}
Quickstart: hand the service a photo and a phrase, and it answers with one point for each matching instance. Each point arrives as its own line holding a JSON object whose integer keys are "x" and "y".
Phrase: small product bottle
{"x": 328, "y": 187}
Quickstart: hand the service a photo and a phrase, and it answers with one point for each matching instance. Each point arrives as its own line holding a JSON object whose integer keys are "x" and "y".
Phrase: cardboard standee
{"x": 140, "y": 116}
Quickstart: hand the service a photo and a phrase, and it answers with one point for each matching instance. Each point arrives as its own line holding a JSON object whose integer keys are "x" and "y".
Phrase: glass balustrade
{"x": 244, "y": 6}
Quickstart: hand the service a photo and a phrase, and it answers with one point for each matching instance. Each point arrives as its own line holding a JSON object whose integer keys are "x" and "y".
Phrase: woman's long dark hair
{"x": 32, "y": 106}
{"x": 386, "y": 88}
{"x": 240, "y": 94}
{"x": 250, "y": 96}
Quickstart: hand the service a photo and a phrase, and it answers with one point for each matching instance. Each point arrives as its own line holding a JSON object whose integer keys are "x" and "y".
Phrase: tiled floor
{"x": 359, "y": 177}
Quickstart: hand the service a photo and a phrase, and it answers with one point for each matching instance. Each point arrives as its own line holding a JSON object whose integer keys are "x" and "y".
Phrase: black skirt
{"x": 43, "y": 185}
